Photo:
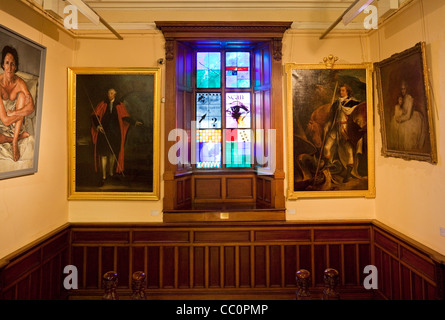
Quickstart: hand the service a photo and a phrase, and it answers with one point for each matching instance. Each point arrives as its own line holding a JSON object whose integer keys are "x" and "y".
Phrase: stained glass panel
{"x": 238, "y": 110}
{"x": 208, "y": 110}
{"x": 237, "y": 69}
{"x": 238, "y": 148}
{"x": 208, "y": 149}
{"x": 208, "y": 70}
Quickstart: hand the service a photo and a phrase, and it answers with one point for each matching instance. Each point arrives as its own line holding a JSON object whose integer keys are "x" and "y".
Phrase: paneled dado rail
{"x": 224, "y": 261}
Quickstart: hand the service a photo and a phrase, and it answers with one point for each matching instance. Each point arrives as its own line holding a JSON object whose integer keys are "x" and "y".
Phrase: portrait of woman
{"x": 18, "y": 102}
{"x": 404, "y": 105}
{"x": 408, "y": 127}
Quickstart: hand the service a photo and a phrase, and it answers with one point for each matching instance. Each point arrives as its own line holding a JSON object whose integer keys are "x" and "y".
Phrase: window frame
{"x": 183, "y": 188}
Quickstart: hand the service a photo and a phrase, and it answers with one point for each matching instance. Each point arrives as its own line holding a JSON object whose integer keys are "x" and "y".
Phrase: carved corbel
{"x": 277, "y": 49}
{"x": 169, "y": 49}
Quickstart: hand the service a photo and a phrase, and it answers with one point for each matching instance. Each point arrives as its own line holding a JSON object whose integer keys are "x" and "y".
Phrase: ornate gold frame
{"x": 73, "y": 108}
{"x": 416, "y": 73}
{"x": 330, "y": 65}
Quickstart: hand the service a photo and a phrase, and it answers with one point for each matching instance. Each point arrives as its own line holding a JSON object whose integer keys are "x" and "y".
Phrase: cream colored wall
{"x": 32, "y": 206}
{"x": 411, "y": 194}
{"x": 144, "y": 50}
{"x": 304, "y": 48}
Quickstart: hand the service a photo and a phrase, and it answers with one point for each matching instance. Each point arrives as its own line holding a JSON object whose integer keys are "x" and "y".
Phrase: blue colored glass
{"x": 208, "y": 149}
{"x": 208, "y": 70}
{"x": 237, "y": 69}
{"x": 208, "y": 110}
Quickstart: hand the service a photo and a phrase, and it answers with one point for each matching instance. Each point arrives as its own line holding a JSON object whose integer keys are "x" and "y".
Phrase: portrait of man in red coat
{"x": 110, "y": 123}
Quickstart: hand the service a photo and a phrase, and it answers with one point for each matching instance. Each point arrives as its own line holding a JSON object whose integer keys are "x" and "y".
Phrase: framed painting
{"x": 22, "y": 75}
{"x": 114, "y": 133}
{"x": 330, "y": 131}
{"x": 404, "y": 106}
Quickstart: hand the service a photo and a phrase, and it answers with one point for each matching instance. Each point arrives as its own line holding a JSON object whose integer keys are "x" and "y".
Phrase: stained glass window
{"x": 238, "y": 148}
{"x": 222, "y": 115}
{"x": 238, "y": 110}
{"x": 208, "y": 110}
{"x": 208, "y": 148}
{"x": 208, "y": 70}
{"x": 237, "y": 69}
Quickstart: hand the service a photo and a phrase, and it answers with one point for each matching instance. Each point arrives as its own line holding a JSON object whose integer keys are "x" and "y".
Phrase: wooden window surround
{"x": 249, "y": 194}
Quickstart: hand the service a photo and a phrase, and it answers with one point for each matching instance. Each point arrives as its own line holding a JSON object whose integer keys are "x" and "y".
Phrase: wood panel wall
{"x": 37, "y": 272}
{"x": 223, "y": 188}
{"x": 406, "y": 272}
{"x": 230, "y": 260}
{"x": 222, "y": 260}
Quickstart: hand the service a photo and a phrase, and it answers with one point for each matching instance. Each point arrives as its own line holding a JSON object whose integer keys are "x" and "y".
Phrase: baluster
{"x": 331, "y": 281}
{"x": 138, "y": 285}
{"x": 303, "y": 278}
{"x": 109, "y": 282}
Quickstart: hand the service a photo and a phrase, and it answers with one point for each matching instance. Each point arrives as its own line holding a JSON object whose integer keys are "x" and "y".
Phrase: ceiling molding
{"x": 119, "y": 26}
{"x": 321, "y": 25}
{"x": 296, "y": 25}
{"x": 217, "y": 4}
{"x": 260, "y": 29}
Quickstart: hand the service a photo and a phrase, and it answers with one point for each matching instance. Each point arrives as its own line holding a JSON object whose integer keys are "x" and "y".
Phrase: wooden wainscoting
{"x": 183, "y": 190}
{"x": 407, "y": 270}
{"x": 221, "y": 260}
{"x": 36, "y": 271}
{"x": 224, "y": 260}
{"x": 224, "y": 197}
{"x": 220, "y": 188}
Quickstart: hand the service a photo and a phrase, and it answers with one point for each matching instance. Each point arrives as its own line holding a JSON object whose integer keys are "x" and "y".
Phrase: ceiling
{"x": 131, "y": 15}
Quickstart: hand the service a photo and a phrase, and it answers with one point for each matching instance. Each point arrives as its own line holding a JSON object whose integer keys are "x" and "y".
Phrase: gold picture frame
{"x": 404, "y": 106}
{"x": 131, "y": 147}
{"x": 330, "y": 152}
